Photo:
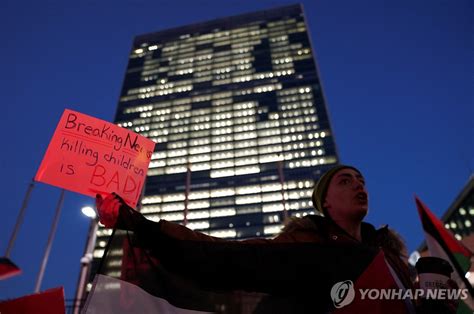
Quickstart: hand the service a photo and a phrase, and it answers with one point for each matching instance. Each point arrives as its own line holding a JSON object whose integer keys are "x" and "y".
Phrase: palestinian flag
{"x": 183, "y": 276}
{"x": 441, "y": 243}
{"x": 8, "y": 269}
{"x": 379, "y": 275}
{"x": 47, "y": 302}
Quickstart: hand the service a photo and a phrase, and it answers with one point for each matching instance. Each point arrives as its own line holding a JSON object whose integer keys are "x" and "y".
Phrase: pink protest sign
{"x": 89, "y": 156}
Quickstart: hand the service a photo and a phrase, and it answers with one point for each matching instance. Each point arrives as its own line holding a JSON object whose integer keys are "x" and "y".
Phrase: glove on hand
{"x": 108, "y": 209}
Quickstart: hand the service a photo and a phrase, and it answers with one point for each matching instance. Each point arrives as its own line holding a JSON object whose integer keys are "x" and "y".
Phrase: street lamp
{"x": 87, "y": 258}
{"x": 89, "y": 212}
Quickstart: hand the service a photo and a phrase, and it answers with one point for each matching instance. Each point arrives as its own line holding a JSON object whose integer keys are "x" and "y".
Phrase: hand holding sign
{"x": 91, "y": 156}
{"x": 108, "y": 209}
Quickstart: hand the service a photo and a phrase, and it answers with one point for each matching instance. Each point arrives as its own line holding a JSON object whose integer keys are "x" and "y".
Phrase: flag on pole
{"x": 221, "y": 276}
{"x": 8, "y": 269}
{"x": 441, "y": 243}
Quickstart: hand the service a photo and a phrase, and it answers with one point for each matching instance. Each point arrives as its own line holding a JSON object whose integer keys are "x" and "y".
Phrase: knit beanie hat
{"x": 321, "y": 187}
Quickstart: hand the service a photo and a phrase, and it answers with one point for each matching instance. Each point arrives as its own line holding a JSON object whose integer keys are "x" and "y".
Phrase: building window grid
{"x": 189, "y": 58}
{"x": 289, "y": 121}
{"x": 291, "y": 126}
{"x": 200, "y": 198}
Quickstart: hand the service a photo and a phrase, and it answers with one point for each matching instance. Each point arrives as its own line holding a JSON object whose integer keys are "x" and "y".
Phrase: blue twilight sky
{"x": 397, "y": 75}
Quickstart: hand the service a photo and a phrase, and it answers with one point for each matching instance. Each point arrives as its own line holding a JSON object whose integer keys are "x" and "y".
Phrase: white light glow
{"x": 198, "y": 225}
{"x": 223, "y": 212}
{"x": 89, "y": 212}
{"x": 272, "y": 229}
{"x": 224, "y": 233}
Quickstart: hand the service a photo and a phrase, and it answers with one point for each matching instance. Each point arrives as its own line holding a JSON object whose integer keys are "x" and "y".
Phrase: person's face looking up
{"x": 347, "y": 197}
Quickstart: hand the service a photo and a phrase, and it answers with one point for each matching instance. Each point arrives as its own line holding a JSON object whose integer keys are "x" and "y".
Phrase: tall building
{"x": 236, "y": 108}
{"x": 459, "y": 218}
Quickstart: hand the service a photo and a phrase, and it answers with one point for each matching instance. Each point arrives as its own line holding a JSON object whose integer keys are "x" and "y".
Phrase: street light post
{"x": 87, "y": 258}
{"x": 49, "y": 244}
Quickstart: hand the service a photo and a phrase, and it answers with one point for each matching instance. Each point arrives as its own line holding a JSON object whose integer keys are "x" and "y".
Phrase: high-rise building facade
{"x": 459, "y": 218}
{"x": 236, "y": 109}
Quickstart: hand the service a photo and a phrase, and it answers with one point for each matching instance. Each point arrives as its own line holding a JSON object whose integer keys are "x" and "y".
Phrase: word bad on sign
{"x": 91, "y": 156}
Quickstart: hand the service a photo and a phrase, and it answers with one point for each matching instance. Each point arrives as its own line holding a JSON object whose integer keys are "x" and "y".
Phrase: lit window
{"x": 176, "y": 161}
{"x": 222, "y": 155}
{"x": 199, "y": 195}
{"x": 225, "y": 147}
{"x": 272, "y": 229}
{"x": 173, "y": 216}
{"x": 248, "y": 199}
{"x": 155, "y": 172}
{"x": 98, "y": 253}
{"x": 150, "y": 209}
{"x": 198, "y": 214}
{"x": 222, "y": 164}
{"x": 270, "y": 158}
{"x": 198, "y": 204}
{"x": 271, "y": 197}
{"x": 178, "y": 152}
{"x": 199, "y": 150}
{"x": 222, "y": 173}
{"x": 199, "y": 158}
{"x": 179, "y": 169}
{"x": 248, "y": 190}
{"x": 246, "y": 152}
{"x": 247, "y": 170}
{"x": 156, "y": 164}
{"x": 271, "y": 187}
{"x": 173, "y": 197}
{"x": 198, "y": 225}
{"x": 222, "y": 192}
{"x": 200, "y": 167}
{"x": 223, "y": 212}
{"x": 245, "y": 144}
{"x": 246, "y": 161}
{"x": 228, "y": 233}
{"x": 172, "y": 207}
{"x": 272, "y": 208}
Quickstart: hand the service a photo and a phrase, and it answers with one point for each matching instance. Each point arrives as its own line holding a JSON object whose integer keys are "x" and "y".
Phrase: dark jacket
{"x": 279, "y": 268}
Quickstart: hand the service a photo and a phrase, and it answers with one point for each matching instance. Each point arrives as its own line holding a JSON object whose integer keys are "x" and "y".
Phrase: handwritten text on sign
{"x": 89, "y": 156}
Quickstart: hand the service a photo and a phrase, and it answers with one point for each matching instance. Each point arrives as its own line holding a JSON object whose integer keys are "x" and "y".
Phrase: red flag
{"x": 48, "y": 302}
{"x": 8, "y": 269}
{"x": 378, "y": 275}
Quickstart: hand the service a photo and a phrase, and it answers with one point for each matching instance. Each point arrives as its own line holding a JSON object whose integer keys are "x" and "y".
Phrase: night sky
{"x": 397, "y": 75}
